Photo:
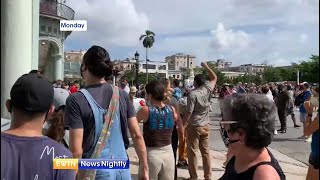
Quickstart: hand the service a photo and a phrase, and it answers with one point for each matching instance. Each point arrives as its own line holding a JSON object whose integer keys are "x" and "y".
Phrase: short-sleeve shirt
{"x": 79, "y": 115}
{"x": 306, "y": 96}
{"x": 198, "y": 104}
{"x": 28, "y": 158}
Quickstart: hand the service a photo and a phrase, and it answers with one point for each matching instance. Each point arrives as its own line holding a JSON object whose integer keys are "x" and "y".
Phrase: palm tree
{"x": 148, "y": 40}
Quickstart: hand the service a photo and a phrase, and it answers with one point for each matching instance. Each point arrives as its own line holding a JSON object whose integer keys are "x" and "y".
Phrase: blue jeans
{"x": 113, "y": 174}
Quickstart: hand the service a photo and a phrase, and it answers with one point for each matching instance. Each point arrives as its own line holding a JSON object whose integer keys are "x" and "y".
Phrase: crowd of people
{"x": 93, "y": 122}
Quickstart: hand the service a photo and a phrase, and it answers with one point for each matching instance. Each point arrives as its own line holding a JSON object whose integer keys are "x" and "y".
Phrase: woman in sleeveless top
{"x": 248, "y": 126}
{"x": 312, "y": 128}
{"x": 158, "y": 123}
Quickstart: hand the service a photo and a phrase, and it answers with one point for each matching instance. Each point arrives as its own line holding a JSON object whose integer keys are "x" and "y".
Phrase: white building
{"x": 154, "y": 67}
{"x": 252, "y": 68}
{"x": 232, "y": 74}
{"x": 180, "y": 60}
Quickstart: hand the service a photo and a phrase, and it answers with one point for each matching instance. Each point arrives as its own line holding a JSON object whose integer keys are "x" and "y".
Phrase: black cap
{"x": 33, "y": 93}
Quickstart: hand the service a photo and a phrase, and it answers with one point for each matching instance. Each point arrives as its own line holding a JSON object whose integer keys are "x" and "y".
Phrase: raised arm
{"x": 212, "y": 76}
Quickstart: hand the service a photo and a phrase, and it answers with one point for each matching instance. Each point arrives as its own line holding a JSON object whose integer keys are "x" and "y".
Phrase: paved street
{"x": 291, "y": 152}
{"x": 287, "y": 143}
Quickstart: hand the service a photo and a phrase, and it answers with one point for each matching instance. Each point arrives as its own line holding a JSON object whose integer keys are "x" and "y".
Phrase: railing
{"x": 52, "y": 8}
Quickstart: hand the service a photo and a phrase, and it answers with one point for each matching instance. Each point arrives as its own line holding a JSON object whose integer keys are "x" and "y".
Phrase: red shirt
{"x": 73, "y": 89}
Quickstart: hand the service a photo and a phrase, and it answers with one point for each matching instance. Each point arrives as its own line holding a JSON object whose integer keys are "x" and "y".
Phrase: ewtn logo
{"x": 73, "y": 25}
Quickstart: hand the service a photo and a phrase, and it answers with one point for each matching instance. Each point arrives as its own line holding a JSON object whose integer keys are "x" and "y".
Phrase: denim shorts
{"x": 303, "y": 117}
{"x": 314, "y": 161}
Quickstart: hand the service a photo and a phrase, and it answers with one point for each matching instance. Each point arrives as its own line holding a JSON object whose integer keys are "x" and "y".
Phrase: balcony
{"x": 58, "y": 10}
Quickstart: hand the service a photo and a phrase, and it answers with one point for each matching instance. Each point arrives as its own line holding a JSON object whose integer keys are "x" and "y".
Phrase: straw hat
{"x": 133, "y": 89}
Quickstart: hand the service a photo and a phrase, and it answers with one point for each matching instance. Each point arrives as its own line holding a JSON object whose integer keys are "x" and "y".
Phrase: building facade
{"x": 51, "y": 40}
{"x": 223, "y": 64}
{"x": 154, "y": 67}
{"x": 252, "y": 68}
{"x": 232, "y": 74}
{"x": 180, "y": 60}
{"x": 72, "y": 63}
{"x": 31, "y": 40}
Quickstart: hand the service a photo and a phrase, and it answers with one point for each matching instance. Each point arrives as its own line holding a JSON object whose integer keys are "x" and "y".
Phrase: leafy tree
{"x": 148, "y": 40}
{"x": 309, "y": 70}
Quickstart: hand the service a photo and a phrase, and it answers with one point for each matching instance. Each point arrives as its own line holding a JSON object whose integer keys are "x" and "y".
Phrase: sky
{"x": 276, "y": 32}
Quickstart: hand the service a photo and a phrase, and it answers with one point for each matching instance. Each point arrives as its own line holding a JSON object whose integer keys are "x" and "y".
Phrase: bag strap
{"x": 108, "y": 120}
{"x": 104, "y": 135}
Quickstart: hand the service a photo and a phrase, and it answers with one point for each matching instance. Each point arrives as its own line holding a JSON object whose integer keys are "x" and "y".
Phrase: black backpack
{"x": 299, "y": 99}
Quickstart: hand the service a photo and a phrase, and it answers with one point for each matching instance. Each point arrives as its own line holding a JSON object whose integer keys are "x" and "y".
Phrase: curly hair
{"x": 255, "y": 114}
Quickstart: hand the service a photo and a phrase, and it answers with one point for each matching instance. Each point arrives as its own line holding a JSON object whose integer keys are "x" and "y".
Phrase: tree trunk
{"x": 147, "y": 65}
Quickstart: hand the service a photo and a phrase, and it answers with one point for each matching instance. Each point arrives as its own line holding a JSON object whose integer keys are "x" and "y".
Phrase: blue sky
{"x": 274, "y": 31}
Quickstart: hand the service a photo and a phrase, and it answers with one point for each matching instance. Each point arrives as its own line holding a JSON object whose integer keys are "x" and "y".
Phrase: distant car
{"x": 138, "y": 103}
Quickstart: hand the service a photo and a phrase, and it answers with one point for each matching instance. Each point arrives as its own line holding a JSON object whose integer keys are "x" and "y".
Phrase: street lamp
{"x": 147, "y": 60}
{"x": 136, "y": 57}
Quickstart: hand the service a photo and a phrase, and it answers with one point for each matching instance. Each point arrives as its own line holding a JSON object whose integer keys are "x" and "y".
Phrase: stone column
{"x": 16, "y": 44}
{"x": 35, "y": 34}
{"x": 58, "y": 67}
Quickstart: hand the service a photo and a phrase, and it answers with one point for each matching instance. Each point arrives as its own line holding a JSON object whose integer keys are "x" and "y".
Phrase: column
{"x": 35, "y": 34}
{"x": 16, "y": 45}
{"x": 58, "y": 67}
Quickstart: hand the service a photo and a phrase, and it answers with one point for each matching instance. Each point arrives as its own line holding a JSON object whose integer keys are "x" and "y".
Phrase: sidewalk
{"x": 293, "y": 169}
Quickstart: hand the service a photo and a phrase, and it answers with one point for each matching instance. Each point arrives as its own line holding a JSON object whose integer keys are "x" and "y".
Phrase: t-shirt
{"x": 73, "y": 89}
{"x": 199, "y": 104}
{"x": 78, "y": 113}
{"x": 306, "y": 96}
{"x": 31, "y": 158}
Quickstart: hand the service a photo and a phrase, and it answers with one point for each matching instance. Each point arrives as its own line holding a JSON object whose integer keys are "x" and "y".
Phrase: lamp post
{"x": 147, "y": 60}
{"x": 136, "y": 57}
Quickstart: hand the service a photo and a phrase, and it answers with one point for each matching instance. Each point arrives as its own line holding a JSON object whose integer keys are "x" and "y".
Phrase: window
{"x": 163, "y": 67}
{"x": 43, "y": 28}
{"x": 150, "y": 66}
{"x": 49, "y": 29}
{"x": 55, "y": 30}
{"x": 178, "y": 76}
{"x": 174, "y": 76}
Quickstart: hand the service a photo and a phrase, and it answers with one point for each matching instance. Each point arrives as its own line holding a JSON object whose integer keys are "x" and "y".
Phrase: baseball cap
{"x": 32, "y": 92}
{"x": 60, "y": 97}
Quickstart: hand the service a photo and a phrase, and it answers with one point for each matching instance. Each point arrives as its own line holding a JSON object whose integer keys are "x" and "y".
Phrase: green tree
{"x": 309, "y": 70}
{"x": 148, "y": 40}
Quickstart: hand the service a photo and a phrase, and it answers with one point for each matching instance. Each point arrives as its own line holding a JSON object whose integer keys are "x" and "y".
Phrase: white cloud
{"x": 303, "y": 38}
{"x": 229, "y": 40}
{"x": 277, "y": 31}
{"x": 112, "y": 22}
